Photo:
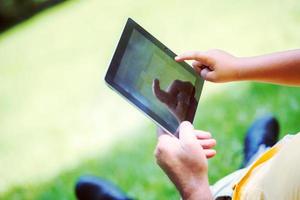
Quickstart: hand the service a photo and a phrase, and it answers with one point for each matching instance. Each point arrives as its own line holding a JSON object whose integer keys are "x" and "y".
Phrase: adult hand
{"x": 213, "y": 65}
{"x": 184, "y": 160}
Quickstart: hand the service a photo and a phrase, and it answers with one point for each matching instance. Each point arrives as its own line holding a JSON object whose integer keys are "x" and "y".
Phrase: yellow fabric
{"x": 275, "y": 175}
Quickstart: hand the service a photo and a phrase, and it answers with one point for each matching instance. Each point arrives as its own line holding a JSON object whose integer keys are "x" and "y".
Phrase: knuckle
{"x": 157, "y": 153}
{"x": 161, "y": 147}
{"x": 163, "y": 138}
{"x": 190, "y": 144}
{"x": 197, "y": 53}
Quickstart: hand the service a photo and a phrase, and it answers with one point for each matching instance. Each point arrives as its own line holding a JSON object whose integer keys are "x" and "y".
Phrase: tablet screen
{"x": 156, "y": 83}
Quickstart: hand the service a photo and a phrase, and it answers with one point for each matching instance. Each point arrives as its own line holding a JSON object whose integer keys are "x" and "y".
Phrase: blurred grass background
{"x": 58, "y": 120}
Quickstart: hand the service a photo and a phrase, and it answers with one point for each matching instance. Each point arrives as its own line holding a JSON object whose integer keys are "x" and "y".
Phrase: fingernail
{"x": 185, "y": 124}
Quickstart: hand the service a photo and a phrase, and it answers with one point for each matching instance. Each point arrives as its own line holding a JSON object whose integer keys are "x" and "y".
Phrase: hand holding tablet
{"x": 144, "y": 71}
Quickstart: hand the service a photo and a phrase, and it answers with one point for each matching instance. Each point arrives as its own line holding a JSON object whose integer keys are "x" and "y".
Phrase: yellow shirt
{"x": 275, "y": 175}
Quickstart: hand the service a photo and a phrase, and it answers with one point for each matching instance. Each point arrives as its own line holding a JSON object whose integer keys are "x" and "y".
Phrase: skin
{"x": 176, "y": 156}
{"x": 220, "y": 66}
{"x": 183, "y": 159}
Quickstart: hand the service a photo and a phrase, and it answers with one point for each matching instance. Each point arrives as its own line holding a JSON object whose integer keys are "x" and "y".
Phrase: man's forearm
{"x": 281, "y": 67}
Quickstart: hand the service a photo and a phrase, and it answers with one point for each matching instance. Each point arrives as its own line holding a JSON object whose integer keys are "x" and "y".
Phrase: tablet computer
{"x": 144, "y": 72}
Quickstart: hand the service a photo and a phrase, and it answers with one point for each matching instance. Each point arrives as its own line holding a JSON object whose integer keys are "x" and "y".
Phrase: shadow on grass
{"x": 131, "y": 164}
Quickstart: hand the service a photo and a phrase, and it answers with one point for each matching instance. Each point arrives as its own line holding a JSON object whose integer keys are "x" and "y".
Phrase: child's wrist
{"x": 239, "y": 67}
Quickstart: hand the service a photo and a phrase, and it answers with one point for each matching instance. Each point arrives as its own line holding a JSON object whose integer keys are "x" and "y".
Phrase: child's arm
{"x": 219, "y": 66}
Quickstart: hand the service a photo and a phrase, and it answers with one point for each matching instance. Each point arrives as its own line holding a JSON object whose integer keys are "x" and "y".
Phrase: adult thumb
{"x": 186, "y": 132}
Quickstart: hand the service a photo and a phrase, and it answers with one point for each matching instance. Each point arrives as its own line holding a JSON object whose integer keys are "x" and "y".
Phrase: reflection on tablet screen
{"x": 157, "y": 81}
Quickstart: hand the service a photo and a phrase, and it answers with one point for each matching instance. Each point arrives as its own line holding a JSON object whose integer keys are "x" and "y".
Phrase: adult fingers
{"x": 207, "y": 143}
{"x": 209, "y": 153}
{"x": 202, "y": 134}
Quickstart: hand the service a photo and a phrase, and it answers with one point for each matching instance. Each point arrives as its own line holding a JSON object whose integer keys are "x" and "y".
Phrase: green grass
{"x": 58, "y": 120}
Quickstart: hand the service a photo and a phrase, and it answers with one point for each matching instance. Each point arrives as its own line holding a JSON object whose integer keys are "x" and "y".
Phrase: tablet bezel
{"x": 115, "y": 63}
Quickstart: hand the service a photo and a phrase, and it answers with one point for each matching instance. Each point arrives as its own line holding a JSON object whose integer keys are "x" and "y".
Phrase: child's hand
{"x": 213, "y": 65}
